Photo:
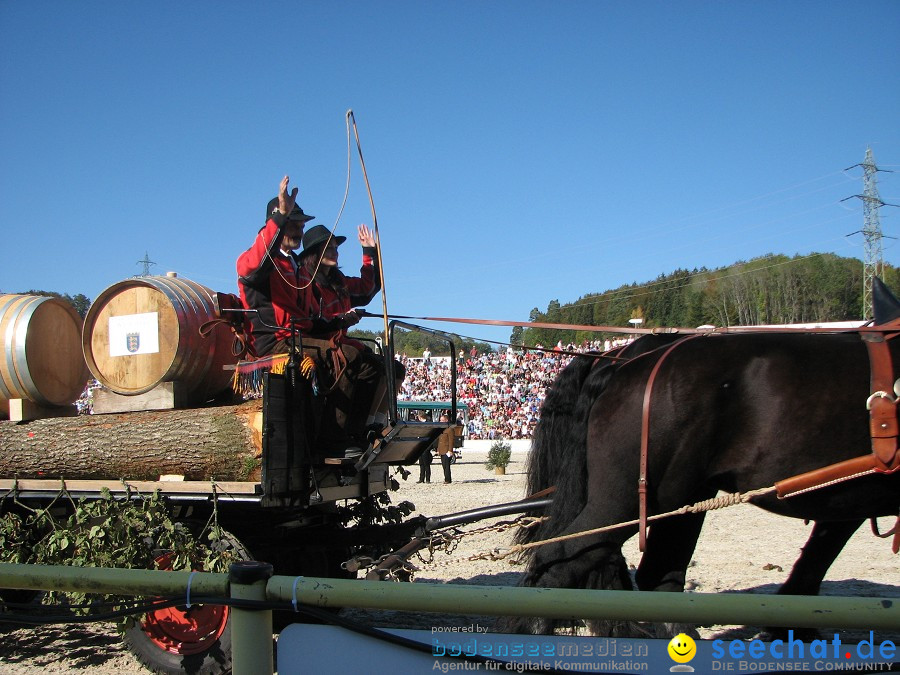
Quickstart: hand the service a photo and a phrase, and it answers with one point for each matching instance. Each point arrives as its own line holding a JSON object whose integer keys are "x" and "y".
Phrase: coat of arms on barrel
{"x": 133, "y": 342}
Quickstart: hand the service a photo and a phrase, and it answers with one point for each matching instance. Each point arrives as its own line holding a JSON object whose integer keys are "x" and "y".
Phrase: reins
{"x": 724, "y": 330}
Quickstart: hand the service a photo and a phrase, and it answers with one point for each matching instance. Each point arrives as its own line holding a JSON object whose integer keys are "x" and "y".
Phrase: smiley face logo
{"x": 682, "y": 648}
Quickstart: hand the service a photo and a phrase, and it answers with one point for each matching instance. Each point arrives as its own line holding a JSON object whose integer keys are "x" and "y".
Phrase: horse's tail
{"x": 559, "y": 446}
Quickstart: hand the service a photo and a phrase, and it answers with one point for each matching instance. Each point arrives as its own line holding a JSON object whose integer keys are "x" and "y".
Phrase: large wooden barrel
{"x": 144, "y": 331}
{"x": 42, "y": 359}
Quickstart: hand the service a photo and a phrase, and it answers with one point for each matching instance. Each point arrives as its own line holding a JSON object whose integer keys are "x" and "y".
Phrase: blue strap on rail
{"x": 187, "y": 603}
{"x": 294, "y": 593}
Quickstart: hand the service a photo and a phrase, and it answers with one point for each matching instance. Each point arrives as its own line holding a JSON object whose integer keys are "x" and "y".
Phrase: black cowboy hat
{"x": 315, "y": 236}
{"x": 296, "y": 212}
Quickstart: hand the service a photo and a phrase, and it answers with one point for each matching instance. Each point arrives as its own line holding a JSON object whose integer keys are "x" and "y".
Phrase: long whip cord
{"x": 352, "y": 119}
{"x": 336, "y": 220}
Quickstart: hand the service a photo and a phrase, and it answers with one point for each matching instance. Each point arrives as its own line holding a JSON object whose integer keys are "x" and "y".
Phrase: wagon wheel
{"x": 178, "y": 640}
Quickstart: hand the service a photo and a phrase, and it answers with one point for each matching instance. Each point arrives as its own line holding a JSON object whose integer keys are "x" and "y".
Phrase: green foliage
{"x": 377, "y": 509}
{"x": 499, "y": 455}
{"x": 249, "y": 466}
{"x": 80, "y": 302}
{"x": 515, "y": 337}
{"x": 772, "y": 289}
{"x": 413, "y": 343}
{"x": 135, "y": 533}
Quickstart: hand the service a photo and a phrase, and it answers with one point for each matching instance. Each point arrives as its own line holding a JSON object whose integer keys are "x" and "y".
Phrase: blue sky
{"x": 518, "y": 152}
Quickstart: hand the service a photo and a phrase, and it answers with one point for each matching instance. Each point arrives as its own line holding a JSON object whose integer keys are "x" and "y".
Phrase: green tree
{"x": 516, "y": 336}
{"x": 80, "y": 302}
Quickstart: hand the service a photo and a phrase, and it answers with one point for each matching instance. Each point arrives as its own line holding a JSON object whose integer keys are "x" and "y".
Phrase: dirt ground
{"x": 741, "y": 549}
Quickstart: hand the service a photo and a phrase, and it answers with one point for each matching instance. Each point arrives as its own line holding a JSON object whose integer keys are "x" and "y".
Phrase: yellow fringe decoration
{"x": 248, "y": 375}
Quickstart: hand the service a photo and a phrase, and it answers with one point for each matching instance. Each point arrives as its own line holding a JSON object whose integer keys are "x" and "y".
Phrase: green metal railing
{"x": 252, "y": 628}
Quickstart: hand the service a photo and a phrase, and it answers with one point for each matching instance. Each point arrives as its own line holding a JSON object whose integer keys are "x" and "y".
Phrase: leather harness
{"x": 883, "y": 429}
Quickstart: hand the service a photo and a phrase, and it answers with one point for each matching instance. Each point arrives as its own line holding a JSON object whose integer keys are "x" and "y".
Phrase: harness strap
{"x": 239, "y": 346}
{"x": 338, "y": 362}
{"x": 645, "y": 442}
{"x": 895, "y": 530}
{"x": 881, "y": 404}
{"x": 827, "y": 475}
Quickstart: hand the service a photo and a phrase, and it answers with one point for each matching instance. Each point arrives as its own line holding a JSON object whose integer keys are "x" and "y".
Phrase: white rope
{"x": 706, "y": 505}
{"x": 333, "y": 227}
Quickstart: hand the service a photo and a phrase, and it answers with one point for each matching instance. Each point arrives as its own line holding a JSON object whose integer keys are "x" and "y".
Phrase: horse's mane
{"x": 885, "y": 305}
{"x": 550, "y": 441}
{"x": 559, "y": 446}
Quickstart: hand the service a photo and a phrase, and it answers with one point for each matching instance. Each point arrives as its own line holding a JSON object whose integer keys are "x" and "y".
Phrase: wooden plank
{"x": 146, "y": 486}
{"x": 23, "y": 410}
{"x": 164, "y": 396}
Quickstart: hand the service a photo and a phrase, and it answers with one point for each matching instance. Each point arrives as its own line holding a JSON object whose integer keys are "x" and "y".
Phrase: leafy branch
{"x": 134, "y": 532}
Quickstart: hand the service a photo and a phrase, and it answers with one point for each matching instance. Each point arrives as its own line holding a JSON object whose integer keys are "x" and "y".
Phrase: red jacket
{"x": 275, "y": 284}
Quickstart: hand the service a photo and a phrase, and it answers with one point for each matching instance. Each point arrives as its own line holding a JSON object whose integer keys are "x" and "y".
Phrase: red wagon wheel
{"x": 183, "y": 630}
{"x": 181, "y": 639}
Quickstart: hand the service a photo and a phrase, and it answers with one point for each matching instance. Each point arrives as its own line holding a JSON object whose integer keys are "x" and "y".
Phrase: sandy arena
{"x": 741, "y": 549}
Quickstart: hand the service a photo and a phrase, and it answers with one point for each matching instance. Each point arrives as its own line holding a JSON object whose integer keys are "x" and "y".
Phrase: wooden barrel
{"x": 42, "y": 359}
{"x": 144, "y": 331}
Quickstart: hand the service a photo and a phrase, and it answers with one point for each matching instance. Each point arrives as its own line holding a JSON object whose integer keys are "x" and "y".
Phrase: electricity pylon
{"x": 873, "y": 264}
{"x": 146, "y": 262}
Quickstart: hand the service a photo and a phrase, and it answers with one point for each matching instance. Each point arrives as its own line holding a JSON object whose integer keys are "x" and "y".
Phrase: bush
{"x": 499, "y": 455}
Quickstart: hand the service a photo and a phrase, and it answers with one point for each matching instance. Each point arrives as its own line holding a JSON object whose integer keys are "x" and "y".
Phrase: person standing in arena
{"x": 445, "y": 448}
{"x": 425, "y": 459}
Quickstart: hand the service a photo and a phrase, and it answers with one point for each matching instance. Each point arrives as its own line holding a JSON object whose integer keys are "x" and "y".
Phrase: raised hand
{"x": 286, "y": 201}
{"x": 366, "y": 236}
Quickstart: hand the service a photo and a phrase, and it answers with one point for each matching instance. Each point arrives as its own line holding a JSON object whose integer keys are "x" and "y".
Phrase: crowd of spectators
{"x": 85, "y": 403}
{"x": 503, "y": 390}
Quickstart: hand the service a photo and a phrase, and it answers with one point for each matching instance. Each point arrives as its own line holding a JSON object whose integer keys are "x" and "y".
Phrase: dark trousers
{"x": 350, "y": 397}
{"x": 425, "y": 467}
{"x": 445, "y": 462}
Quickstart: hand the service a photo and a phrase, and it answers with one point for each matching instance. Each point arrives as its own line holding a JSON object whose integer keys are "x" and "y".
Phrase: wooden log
{"x": 200, "y": 444}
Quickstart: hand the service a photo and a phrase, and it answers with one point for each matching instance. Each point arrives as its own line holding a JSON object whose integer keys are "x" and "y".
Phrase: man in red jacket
{"x": 273, "y": 280}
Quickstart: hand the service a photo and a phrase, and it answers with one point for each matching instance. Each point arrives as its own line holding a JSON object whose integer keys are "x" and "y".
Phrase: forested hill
{"x": 772, "y": 289}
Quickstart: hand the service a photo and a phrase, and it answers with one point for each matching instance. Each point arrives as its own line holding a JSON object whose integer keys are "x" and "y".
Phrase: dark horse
{"x": 732, "y": 412}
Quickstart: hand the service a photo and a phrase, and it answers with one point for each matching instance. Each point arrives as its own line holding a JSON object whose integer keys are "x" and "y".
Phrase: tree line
{"x": 773, "y": 289}
{"x": 79, "y": 301}
{"x": 413, "y": 343}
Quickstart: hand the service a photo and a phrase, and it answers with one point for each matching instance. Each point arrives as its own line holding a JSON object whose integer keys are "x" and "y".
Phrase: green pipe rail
{"x": 251, "y": 628}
